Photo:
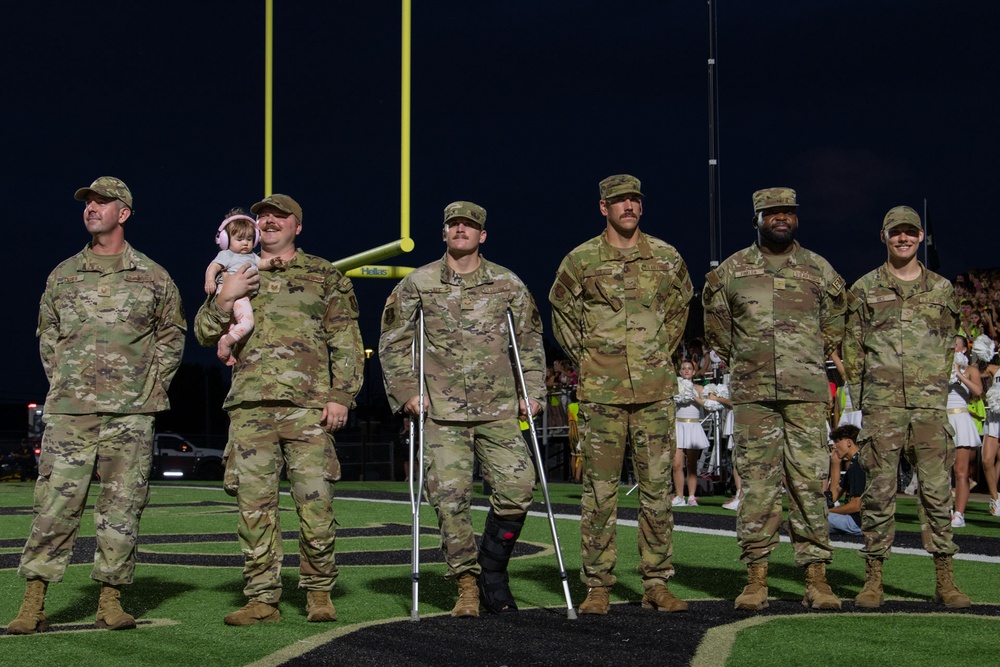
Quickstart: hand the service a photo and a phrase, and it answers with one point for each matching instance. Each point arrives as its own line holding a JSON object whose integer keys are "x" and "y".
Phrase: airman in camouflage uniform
{"x": 294, "y": 384}
{"x": 619, "y": 306}
{"x": 471, "y": 398}
{"x": 775, "y": 312}
{"x": 111, "y": 334}
{"x": 898, "y": 353}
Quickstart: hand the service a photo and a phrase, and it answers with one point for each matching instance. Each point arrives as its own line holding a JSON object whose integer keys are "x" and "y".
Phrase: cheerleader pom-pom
{"x": 993, "y": 399}
{"x": 984, "y": 348}
{"x": 685, "y": 391}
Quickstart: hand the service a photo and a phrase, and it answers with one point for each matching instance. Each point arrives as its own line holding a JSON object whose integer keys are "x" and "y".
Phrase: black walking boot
{"x": 499, "y": 538}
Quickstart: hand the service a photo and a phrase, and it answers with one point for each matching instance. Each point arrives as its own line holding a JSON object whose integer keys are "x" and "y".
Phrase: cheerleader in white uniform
{"x": 965, "y": 386}
{"x": 691, "y": 438}
{"x": 727, "y": 433}
{"x": 983, "y": 350}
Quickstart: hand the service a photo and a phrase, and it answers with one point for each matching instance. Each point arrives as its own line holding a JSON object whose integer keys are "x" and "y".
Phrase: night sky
{"x": 519, "y": 106}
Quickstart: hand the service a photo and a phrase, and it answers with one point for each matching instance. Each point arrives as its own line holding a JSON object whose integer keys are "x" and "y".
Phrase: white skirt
{"x": 690, "y": 435}
{"x": 966, "y": 434}
{"x": 992, "y": 425}
{"x": 852, "y": 417}
{"x": 729, "y": 429}
{"x": 730, "y": 423}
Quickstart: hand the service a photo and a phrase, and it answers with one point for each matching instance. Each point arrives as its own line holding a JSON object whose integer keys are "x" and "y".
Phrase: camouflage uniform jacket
{"x": 898, "y": 350}
{"x": 775, "y": 327}
{"x": 110, "y": 342}
{"x": 305, "y": 348}
{"x": 620, "y": 316}
{"x": 468, "y": 370}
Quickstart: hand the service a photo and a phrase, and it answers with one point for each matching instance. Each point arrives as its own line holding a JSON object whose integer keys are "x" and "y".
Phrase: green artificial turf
{"x": 880, "y": 641}
{"x": 190, "y": 601}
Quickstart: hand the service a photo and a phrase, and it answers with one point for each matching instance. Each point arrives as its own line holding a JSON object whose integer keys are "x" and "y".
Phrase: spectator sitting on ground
{"x": 845, "y": 518}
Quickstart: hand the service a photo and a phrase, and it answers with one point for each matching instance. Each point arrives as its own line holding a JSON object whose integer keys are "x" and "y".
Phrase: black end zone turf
{"x": 629, "y": 635}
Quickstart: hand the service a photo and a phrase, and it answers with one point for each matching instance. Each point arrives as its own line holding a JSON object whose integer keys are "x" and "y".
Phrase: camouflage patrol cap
{"x": 900, "y": 215}
{"x": 280, "y": 202}
{"x": 619, "y": 184}
{"x": 773, "y": 198}
{"x": 465, "y": 209}
{"x": 107, "y": 186}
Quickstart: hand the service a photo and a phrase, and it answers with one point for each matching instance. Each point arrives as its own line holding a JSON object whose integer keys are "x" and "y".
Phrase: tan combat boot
{"x": 818, "y": 593}
{"x": 468, "y": 597}
{"x": 754, "y": 595}
{"x": 660, "y": 598}
{"x": 598, "y": 601}
{"x": 253, "y": 612}
{"x": 319, "y": 608}
{"x": 31, "y": 618}
{"x": 871, "y": 596}
{"x": 110, "y": 614}
{"x": 945, "y": 591}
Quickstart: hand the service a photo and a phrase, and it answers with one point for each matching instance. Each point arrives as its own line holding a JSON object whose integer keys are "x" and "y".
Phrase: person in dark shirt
{"x": 845, "y": 518}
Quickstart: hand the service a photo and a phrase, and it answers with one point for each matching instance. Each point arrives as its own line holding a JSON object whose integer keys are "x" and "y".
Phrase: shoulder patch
{"x": 390, "y": 314}
{"x": 852, "y": 301}
{"x": 682, "y": 272}
{"x": 536, "y": 318}
{"x": 565, "y": 286}
{"x": 344, "y": 284}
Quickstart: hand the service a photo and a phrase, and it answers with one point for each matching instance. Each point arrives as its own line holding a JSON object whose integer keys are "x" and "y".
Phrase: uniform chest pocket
{"x": 603, "y": 287}
{"x": 442, "y": 309}
{"x": 806, "y": 291}
{"x": 883, "y": 310}
{"x": 928, "y": 310}
{"x": 657, "y": 283}
{"x": 491, "y": 299}
{"x": 136, "y": 305}
{"x": 751, "y": 296}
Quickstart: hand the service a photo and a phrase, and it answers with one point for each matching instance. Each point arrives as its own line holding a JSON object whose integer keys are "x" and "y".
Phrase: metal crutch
{"x": 417, "y": 355}
{"x": 519, "y": 377}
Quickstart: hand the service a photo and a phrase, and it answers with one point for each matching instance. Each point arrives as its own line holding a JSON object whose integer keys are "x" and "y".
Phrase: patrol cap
{"x": 280, "y": 202}
{"x": 465, "y": 209}
{"x": 619, "y": 184}
{"x": 107, "y": 186}
{"x": 901, "y": 215}
{"x": 773, "y": 198}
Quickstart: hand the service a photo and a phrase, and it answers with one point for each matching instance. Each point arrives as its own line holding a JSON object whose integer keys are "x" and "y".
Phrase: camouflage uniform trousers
{"x": 262, "y": 438}
{"x": 603, "y": 432}
{"x": 122, "y": 445}
{"x": 776, "y": 439}
{"x": 926, "y": 438}
{"x": 448, "y": 461}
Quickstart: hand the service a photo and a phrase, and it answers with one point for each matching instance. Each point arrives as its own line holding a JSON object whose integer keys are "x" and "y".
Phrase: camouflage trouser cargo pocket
{"x": 331, "y": 470}
{"x": 867, "y": 443}
{"x": 230, "y": 479}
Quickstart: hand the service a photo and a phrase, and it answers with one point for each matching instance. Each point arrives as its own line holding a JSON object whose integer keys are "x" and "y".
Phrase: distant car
{"x": 175, "y": 457}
